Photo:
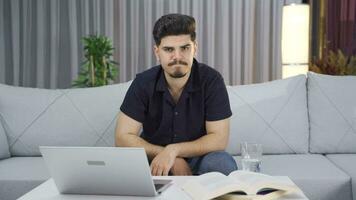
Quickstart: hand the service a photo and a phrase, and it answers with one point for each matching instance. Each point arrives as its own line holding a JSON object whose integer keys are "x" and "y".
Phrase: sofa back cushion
{"x": 68, "y": 117}
{"x": 332, "y": 113}
{"x": 272, "y": 113}
{"x": 4, "y": 146}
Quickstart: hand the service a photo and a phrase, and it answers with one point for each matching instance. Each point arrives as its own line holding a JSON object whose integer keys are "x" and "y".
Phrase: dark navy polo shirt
{"x": 204, "y": 98}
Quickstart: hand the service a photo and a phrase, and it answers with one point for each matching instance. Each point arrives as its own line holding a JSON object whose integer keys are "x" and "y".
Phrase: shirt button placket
{"x": 176, "y": 113}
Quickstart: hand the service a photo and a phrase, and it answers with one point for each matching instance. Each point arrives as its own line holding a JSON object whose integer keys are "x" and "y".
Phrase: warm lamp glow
{"x": 294, "y": 70}
{"x": 295, "y": 39}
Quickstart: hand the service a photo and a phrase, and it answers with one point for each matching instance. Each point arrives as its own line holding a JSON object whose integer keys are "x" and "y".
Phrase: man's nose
{"x": 177, "y": 55}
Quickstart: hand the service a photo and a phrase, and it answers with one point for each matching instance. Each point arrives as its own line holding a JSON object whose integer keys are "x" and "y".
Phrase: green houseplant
{"x": 335, "y": 63}
{"x": 98, "y": 69}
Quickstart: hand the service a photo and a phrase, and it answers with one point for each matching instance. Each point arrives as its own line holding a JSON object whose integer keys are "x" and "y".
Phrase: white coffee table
{"x": 48, "y": 191}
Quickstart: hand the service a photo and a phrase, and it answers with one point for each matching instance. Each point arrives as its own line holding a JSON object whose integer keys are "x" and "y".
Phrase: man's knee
{"x": 219, "y": 161}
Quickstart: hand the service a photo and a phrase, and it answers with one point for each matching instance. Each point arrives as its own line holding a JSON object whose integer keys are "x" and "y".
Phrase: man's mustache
{"x": 177, "y": 62}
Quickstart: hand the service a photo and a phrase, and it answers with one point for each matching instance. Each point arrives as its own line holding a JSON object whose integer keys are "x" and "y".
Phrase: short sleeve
{"x": 217, "y": 105}
{"x": 134, "y": 104}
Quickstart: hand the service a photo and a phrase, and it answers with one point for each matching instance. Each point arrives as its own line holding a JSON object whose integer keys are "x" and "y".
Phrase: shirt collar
{"x": 192, "y": 85}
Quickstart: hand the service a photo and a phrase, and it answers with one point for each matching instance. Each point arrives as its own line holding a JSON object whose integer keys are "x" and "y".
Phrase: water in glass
{"x": 249, "y": 164}
{"x": 251, "y": 154}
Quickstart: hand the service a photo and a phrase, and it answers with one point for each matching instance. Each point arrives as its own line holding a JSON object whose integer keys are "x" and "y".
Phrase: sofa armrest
{"x": 4, "y": 146}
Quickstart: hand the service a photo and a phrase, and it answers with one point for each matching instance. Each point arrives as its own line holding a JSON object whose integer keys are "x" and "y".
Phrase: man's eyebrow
{"x": 167, "y": 47}
{"x": 186, "y": 45}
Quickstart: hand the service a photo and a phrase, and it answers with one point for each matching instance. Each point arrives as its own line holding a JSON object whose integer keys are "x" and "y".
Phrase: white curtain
{"x": 40, "y": 40}
{"x": 239, "y": 38}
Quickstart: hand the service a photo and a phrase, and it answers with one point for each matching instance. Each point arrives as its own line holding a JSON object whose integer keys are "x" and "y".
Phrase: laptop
{"x": 120, "y": 171}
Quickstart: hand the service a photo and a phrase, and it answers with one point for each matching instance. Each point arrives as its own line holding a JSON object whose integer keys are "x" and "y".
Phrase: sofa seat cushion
{"x": 4, "y": 146}
{"x": 347, "y": 163}
{"x": 314, "y": 174}
{"x": 35, "y": 117}
{"x": 272, "y": 113}
{"x": 332, "y": 113}
{"x": 18, "y": 175}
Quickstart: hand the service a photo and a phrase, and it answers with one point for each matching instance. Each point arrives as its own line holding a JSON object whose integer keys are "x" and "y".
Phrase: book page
{"x": 211, "y": 185}
{"x": 257, "y": 182}
{"x": 271, "y": 196}
{"x": 249, "y": 178}
{"x": 214, "y": 180}
{"x": 214, "y": 184}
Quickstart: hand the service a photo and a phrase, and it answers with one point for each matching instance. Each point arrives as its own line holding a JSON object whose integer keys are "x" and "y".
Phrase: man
{"x": 181, "y": 105}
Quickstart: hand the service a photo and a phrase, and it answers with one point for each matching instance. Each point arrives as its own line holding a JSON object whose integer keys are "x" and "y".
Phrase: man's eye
{"x": 168, "y": 50}
{"x": 185, "y": 48}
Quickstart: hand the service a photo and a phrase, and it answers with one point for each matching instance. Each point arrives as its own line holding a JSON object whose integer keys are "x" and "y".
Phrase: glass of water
{"x": 251, "y": 154}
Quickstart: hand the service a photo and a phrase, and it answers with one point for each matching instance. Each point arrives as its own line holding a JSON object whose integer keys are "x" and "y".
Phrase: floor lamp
{"x": 295, "y": 39}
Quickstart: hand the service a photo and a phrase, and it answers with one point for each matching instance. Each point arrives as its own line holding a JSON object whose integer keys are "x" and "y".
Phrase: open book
{"x": 238, "y": 185}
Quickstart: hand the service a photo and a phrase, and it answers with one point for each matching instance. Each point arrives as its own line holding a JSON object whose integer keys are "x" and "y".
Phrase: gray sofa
{"x": 307, "y": 127}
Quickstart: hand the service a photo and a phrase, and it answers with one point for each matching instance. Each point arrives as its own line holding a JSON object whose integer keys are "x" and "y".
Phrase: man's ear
{"x": 195, "y": 48}
{"x": 156, "y": 50}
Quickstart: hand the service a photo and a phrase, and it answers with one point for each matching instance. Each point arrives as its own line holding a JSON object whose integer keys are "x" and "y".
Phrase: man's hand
{"x": 164, "y": 161}
{"x": 181, "y": 168}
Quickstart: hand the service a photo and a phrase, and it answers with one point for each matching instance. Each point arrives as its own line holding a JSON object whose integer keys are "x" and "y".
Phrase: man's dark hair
{"x": 173, "y": 24}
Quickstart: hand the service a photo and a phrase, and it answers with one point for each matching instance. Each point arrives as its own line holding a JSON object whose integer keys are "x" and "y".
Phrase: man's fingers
{"x": 161, "y": 164}
{"x": 165, "y": 171}
{"x": 159, "y": 171}
{"x": 153, "y": 169}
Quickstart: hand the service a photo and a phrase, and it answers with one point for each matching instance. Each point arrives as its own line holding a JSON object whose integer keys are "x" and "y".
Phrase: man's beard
{"x": 177, "y": 73}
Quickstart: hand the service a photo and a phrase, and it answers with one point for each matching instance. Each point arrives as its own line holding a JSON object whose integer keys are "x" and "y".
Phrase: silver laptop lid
{"x": 100, "y": 170}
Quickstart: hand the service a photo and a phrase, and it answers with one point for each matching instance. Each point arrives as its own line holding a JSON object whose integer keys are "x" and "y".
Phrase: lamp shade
{"x": 295, "y": 39}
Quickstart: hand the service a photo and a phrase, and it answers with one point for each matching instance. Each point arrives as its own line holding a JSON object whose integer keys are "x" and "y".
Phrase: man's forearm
{"x": 131, "y": 140}
{"x": 201, "y": 146}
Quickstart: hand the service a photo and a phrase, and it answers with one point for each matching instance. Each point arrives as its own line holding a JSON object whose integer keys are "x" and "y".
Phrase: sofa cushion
{"x": 347, "y": 163}
{"x": 18, "y": 175}
{"x": 314, "y": 174}
{"x": 4, "y": 146}
{"x": 67, "y": 117}
{"x": 332, "y": 113}
{"x": 272, "y": 113}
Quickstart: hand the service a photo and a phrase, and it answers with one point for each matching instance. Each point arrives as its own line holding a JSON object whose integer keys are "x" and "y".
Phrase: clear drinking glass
{"x": 251, "y": 154}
